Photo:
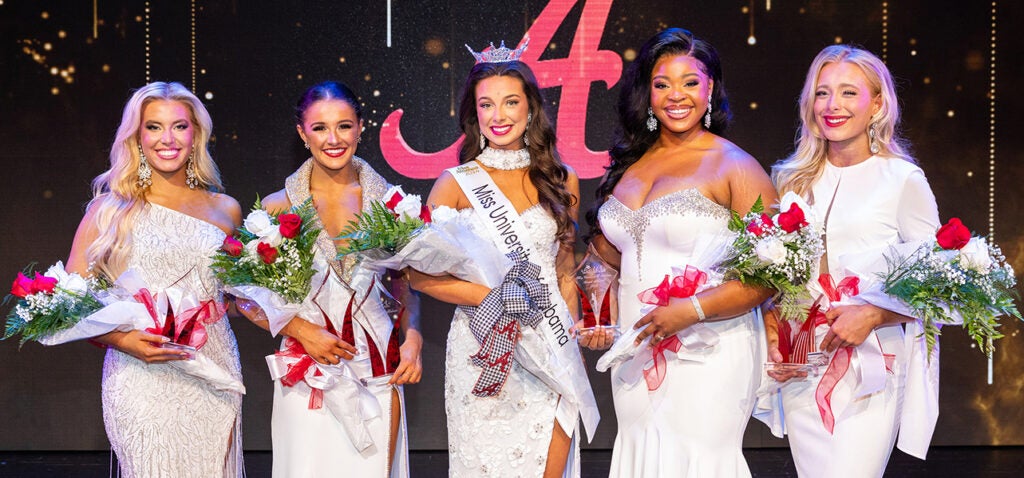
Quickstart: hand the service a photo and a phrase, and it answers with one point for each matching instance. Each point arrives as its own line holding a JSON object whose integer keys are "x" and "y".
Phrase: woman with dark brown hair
{"x": 515, "y": 385}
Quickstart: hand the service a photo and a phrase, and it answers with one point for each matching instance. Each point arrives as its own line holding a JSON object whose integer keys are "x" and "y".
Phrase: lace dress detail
{"x": 160, "y": 421}
{"x": 507, "y": 435}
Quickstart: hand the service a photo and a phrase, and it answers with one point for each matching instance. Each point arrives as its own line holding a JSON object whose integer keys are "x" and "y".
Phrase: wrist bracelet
{"x": 696, "y": 307}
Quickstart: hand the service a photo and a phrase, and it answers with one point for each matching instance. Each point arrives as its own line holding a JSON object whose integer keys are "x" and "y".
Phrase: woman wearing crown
{"x": 515, "y": 385}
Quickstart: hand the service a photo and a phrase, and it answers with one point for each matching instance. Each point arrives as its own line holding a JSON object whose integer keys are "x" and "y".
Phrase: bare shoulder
{"x": 276, "y": 202}
{"x": 228, "y": 206}
{"x": 733, "y": 156}
{"x": 447, "y": 192}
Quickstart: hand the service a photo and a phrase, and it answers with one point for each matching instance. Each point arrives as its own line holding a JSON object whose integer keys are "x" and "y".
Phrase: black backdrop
{"x": 66, "y": 69}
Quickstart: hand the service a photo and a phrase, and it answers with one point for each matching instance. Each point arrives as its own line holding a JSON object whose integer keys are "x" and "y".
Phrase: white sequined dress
{"x": 506, "y": 435}
{"x": 692, "y": 424}
{"x": 160, "y": 421}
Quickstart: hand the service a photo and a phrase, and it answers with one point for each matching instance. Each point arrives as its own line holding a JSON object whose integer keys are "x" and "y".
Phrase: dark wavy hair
{"x": 326, "y": 90}
{"x": 546, "y": 170}
{"x": 632, "y": 138}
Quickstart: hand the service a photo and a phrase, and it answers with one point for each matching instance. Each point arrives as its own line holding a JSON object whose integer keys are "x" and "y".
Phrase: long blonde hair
{"x": 117, "y": 198}
{"x": 799, "y": 171}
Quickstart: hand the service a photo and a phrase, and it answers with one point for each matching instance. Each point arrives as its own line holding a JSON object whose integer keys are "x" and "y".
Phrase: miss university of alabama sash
{"x": 562, "y": 369}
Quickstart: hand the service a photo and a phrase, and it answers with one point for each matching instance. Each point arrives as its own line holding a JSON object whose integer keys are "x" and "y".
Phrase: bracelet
{"x": 696, "y": 307}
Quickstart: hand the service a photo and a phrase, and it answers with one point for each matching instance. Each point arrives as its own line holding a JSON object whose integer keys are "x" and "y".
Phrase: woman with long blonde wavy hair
{"x": 854, "y": 170}
{"x": 158, "y": 211}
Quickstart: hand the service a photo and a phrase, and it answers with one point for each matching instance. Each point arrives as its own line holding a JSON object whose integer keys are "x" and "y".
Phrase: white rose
{"x": 71, "y": 282}
{"x": 975, "y": 256}
{"x": 443, "y": 214}
{"x": 409, "y": 206}
{"x": 771, "y": 250}
{"x": 57, "y": 271}
{"x": 262, "y": 225}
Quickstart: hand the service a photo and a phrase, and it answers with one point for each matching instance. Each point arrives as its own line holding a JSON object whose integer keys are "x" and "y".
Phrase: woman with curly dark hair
{"x": 512, "y": 413}
{"x": 666, "y": 195}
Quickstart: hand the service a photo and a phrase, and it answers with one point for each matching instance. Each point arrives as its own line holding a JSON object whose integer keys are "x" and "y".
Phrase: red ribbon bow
{"x": 188, "y": 327}
{"x": 681, "y": 287}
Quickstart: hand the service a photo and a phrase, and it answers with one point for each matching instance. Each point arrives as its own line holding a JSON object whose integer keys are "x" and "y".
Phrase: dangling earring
{"x": 652, "y": 122}
{"x": 145, "y": 173}
{"x": 483, "y": 142}
{"x": 191, "y": 179}
{"x": 526, "y": 132}
{"x": 873, "y": 138}
{"x": 707, "y": 116}
{"x": 306, "y": 145}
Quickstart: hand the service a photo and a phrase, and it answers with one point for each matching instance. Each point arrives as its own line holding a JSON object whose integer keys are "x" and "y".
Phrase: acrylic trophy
{"x": 595, "y": 281}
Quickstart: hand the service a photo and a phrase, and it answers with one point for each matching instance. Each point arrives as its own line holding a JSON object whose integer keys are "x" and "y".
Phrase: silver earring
{"x": 873, "y": 138}
{"x": 191, "y": 179}
{"x": 145, "y": 173}
{"x": 306, "y": 145}
{"x": 707, "y": 116}
{"x": 526, "y": 135}
{"x": 652, "y": 122}
{"x": 483, "y": 142}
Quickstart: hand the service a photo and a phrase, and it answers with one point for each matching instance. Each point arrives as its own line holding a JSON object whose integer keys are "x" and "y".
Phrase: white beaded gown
{"x": 313, "y": 443}
{"x": 692, "y": 424}
{"x": 160, "y": 421}
{"x": 506, "y": 435}
{"x": 899, "y": 208}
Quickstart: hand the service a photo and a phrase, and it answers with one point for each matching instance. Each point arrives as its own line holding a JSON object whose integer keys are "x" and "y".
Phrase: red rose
{"x": 760, "y": 227}
{"x": 425, "y": 213}
{"x": 792, "y": 219}
{"x": 267, "y": 252}
{"x": 395, "y": 199}
{"x": 290, "y": 225}
{"x": 22, "y": 286}
{"x": 43, "y": 284}
{"x": 232, "y": 246}
{"x": 953, "y": 235}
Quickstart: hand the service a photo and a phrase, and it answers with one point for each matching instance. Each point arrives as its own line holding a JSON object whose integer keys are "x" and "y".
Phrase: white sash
{"x": 565, "y": 364}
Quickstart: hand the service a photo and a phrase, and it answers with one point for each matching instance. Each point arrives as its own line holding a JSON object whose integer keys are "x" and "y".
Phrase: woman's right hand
{"x": 320, "y": 344}
{"x": 599, "y": 339}
{"x": 143, "y": 346}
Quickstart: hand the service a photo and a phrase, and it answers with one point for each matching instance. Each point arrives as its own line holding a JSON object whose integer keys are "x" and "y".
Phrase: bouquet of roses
{"x": 779, "y": 252}
{"x": 387, "y": 227}
{"x": 95, "y": 308}
{"x": 955, "y": 279}
{"x": 271, "y": 251}
{"x": 50, "y": 302}
{"x": 270, "y": 260}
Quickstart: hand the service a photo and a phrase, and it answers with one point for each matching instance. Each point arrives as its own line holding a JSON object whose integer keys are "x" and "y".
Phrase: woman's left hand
{"x": 851, "y": 325}
{"x": 410, "y": 368}
{"x": 665, "y": 321}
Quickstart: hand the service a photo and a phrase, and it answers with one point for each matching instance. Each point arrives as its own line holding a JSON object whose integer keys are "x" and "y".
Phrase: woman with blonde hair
{"x": 854, "y": 169}
{"x": 158, "y": 210}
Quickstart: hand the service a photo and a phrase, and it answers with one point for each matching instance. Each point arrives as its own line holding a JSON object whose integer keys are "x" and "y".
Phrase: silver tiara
{"x": 500, "y": 54}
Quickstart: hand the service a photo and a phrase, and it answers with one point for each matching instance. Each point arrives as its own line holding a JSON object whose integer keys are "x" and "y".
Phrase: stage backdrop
{"x": 66, "y": 69}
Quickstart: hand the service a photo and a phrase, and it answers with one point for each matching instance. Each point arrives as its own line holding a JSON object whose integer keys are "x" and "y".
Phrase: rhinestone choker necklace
{"x": 504, "y": 159}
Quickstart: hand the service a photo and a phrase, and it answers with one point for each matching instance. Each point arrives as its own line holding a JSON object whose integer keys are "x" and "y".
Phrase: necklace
{"x": 504, "y": 159}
